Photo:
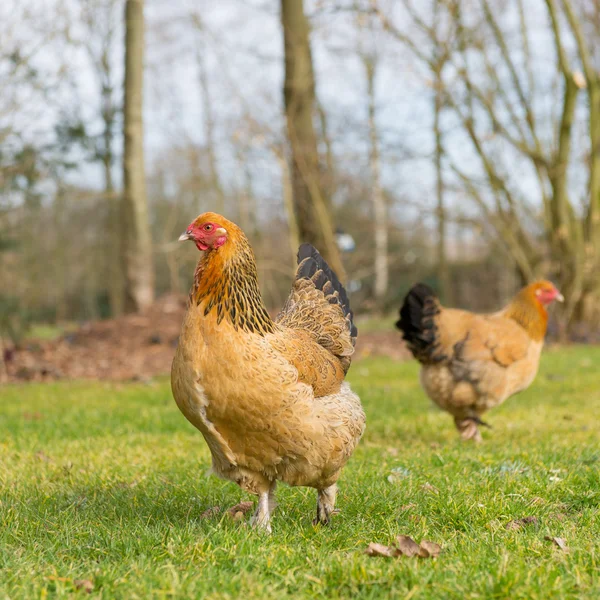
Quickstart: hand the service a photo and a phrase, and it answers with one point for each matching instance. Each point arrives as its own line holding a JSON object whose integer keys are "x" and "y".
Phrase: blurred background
{"x": 455, "y": 142}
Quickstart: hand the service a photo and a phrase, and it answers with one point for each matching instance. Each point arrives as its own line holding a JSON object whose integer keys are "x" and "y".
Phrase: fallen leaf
{"x": 560, "y": 542}
{"x": 36, "y": 416}
{"x": 408, "y": 506}
{"x": 558, "y": 516}
{"x": 435, "y": 445}
{"x": 209, "y": 513}
{"x": 520, "y": 523}
{"x": 407, "y": 546}
{"x": 84, "y": 584}
{"x": 241, "y": 507}
{"x": 41, "y": 456}
{"x": 429, "y": 549}
{"x": 536, "y": 500}
{"x": 397, "y": 474}
{"x": 374, "y": 549}
{"x": 427, "y": 487}
{"x": 123, "y": 485}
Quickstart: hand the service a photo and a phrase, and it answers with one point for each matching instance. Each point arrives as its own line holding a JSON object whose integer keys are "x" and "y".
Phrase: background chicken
{"x": 268, "y": 396}
{"x": 473, "y": 362}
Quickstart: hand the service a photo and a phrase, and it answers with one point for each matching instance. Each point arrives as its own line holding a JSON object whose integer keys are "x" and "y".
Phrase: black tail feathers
{"x": 417, "y": 322}
{"x": 307, "y": 270}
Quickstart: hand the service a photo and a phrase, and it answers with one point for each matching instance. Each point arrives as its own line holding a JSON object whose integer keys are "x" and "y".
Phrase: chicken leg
{"x": 325, "y": 504}
{"x": 266, "y": 504}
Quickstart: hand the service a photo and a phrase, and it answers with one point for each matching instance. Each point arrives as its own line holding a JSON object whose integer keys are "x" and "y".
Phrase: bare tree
{"x": 101, "y": 21}
{"x": 495, "y": 101}
{"x": 434, "y": 57}
{"x": 311, "y": 205}
{"x": 137, "y": 251}
{"x": 208, "y": 112}
{"x": 380, "y": 217}
{"x": 438, "y": 62}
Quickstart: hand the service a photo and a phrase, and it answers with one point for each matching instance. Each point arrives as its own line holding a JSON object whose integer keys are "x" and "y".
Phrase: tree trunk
{"x": 288, "y": 204}
{"x": 442, "y": 263}
{"x": 311, "y": 206}
{"x": 209, "y": 135}
{"x": 377, "y": 196}
{"x": 101, "y": 22}
{"x": 113, "y": 227}
{"x": 137, "y": 250}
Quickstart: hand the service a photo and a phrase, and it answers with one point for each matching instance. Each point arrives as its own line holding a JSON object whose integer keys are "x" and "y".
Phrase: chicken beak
{"x": 185, "y": 236}
{"x": 560, "y": 298}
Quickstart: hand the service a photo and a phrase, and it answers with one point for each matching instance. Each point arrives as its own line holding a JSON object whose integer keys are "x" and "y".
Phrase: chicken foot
{"x": 469, "y": 429}
{"x": 325, "y": 504}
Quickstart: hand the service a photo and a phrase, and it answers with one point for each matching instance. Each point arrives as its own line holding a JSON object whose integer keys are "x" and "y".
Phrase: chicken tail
{"x": 418, "y": 324}
{"x": 318, "y": 304}
{"x": 311, "y": 263}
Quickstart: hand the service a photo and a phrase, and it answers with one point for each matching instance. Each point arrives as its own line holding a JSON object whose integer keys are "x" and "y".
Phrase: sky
{"x": 240, "y": 42}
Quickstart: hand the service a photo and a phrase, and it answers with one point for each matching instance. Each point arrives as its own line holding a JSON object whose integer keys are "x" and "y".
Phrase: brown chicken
{"x": 268, "y": 395}
{"x": 470, "y": 362}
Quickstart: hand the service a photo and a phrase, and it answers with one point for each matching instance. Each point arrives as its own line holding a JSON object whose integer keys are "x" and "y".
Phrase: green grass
{"x": 48, "y": 332}
{"x": 376, "y": 323}
{"x": 107, "y": 482}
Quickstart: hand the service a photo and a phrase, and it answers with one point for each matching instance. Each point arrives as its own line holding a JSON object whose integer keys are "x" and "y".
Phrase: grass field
{"x": 107, "y": 483}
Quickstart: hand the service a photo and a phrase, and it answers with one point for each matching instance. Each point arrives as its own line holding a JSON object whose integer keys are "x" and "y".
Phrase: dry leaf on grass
{"x": 84, "y": 584}
{"x": 41, "y": 456}
{"x": 241, "y": 507}
{"x": 427, "y": 487}
{"x": 429, "y": 549}
{"x": 560, "y": 542}
{"x": 374, "y": 549}
{"x": 397, "y": 474}
{"x": 536, "y": 500}
{"x": 209, "y": 513}
{"x": 520, "y": 523}
{"x": 35, "y": 416}
{"x": 407, "y": 545}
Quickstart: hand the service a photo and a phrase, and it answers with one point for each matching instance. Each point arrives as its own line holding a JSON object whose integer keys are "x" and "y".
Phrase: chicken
{"x": 269, "y": 396}
{"x": 470, "y": 362}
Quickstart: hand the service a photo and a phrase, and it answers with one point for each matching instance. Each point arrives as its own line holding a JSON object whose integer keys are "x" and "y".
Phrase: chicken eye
{"x": 207, "y": 227}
